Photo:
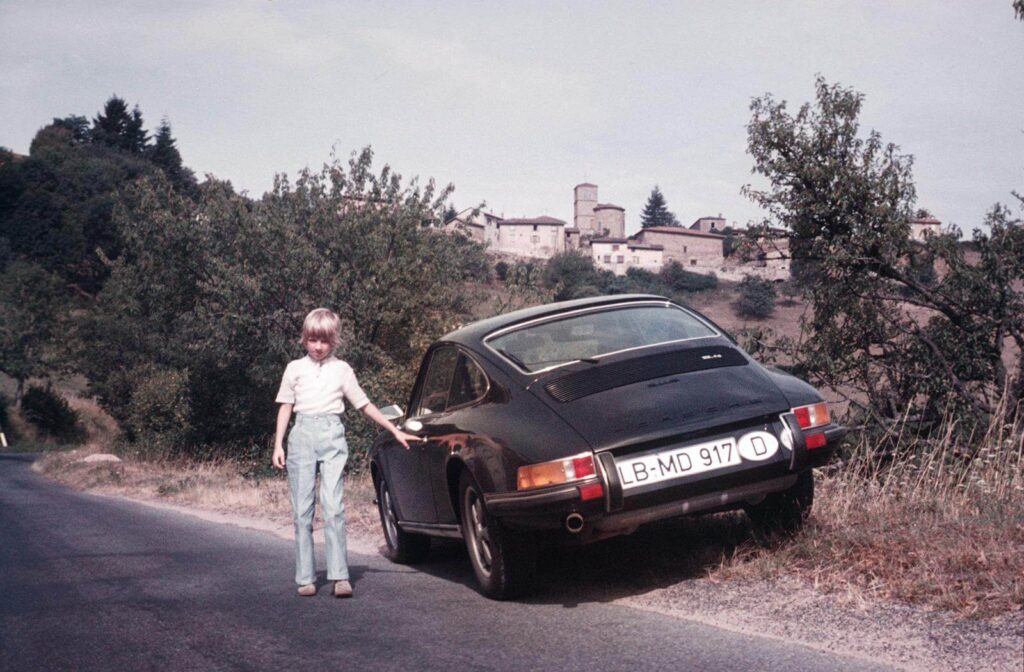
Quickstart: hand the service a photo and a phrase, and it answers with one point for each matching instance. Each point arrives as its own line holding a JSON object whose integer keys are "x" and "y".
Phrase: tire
{"x": 785, "y": 512}
{"x": 401, "y": 546}
{"x": 503, "y": 560}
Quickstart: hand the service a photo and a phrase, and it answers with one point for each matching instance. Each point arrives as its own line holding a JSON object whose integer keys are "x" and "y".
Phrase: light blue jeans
{"x": 317, "y": 442}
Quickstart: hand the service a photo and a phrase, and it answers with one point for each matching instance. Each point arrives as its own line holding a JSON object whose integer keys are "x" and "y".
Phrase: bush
{"x": 680, "y": 280}
{"x": 501, "y": 270}
{"x": 757, "y": 298}
{"x": 51, "y": 414}
{"x": 158, "y": 404}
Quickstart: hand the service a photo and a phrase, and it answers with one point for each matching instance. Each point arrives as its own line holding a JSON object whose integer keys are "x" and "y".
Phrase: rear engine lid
{"x": 646, "y": 398}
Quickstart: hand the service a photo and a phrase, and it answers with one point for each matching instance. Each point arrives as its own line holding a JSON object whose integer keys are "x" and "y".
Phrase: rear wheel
{"x": 402, "y": 547}
{"x": 785, "y": 512}
{"x": 503, "y": 560}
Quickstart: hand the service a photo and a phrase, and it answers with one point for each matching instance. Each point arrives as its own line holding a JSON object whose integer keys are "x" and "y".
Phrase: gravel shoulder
{"x": 902, "y": 636}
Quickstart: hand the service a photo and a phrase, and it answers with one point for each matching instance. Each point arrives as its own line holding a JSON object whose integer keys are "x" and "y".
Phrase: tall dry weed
{"x": 936, "y": 520}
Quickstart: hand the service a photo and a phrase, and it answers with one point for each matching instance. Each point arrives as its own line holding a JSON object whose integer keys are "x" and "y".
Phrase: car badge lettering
{"x": 718, "y": 356}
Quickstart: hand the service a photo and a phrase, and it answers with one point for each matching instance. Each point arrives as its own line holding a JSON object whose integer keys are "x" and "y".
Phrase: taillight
{"x": 814, "y": 415}
{"x": 555, "y": 472}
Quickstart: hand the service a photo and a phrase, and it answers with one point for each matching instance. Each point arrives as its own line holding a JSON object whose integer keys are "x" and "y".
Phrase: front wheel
{"x": 402, "y": 547}
{"x": 503, "y": 560}
{"x": 785, "y": 512}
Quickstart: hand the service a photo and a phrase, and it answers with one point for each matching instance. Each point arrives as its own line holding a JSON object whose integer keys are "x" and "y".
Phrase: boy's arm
{"x": 373, "y": 413}
{"x": 284, "y": 414}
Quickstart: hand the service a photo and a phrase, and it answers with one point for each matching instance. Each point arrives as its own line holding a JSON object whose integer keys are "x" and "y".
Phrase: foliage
{"x": 524, "y": 286}
{"x": 115, "y": 127}
{"x": 216, "y": 289}
{"x": 166, "y": 156}
{"x": 51, "y": 414}
{"x": 31, "y": 303}
{"x": 656, "y": 212}
{"x": 757, "y": 298}
{"x": 878, "y": 328}
{"x": 56, "y": 206}
{"x": 501, "y": 270}
{"x": 676, "y": 277}
{"x": 571, "y": 275}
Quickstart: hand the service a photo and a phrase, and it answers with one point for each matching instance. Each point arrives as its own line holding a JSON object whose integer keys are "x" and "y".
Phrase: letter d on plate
{"x": 757, "y": 446}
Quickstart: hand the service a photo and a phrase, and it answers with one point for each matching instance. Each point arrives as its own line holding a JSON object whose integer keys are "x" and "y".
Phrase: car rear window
{"x": 588, "y": 335}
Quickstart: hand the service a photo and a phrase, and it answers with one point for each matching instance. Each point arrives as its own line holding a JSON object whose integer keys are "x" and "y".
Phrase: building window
{"x": 693, "y": 262}
{"x": 607, "y": 258}
{"x": 684, "y": 249}
{"x": 615, "y": 248}
{"x": 534, "y": 227}
{"x": 620, "y": 259}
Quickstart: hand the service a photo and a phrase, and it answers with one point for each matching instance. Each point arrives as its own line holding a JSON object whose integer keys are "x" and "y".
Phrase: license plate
{"x": 682, "y": 461}
{"x": 677, "y": 462}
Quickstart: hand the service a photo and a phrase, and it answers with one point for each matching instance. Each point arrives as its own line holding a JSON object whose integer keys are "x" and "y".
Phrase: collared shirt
{"x": 319, "y": 387}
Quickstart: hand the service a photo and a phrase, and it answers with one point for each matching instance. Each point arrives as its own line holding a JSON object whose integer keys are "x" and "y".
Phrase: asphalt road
{"x": 94, "y": 583}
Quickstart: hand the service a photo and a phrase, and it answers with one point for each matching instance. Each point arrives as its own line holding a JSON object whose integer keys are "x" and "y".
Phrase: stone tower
{"x": 583, "y": 208}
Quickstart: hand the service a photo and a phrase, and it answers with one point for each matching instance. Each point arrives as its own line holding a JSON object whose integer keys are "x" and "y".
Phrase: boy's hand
{"x": 404, "y": 438}
{"x": 278, "y": 457}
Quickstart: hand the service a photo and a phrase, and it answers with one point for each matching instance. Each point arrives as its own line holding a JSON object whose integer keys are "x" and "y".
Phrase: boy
{"x": 314, "y": 387}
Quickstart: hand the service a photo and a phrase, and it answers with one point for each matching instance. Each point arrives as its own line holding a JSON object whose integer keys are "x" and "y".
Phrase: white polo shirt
{"x": 318, "y": 387}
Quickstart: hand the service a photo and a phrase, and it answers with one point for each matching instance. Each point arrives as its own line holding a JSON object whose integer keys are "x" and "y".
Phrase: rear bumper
{"x": 614, "y": 513}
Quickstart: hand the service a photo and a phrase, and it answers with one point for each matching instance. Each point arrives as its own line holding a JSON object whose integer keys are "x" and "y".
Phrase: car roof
{"x": 473, "y": 334}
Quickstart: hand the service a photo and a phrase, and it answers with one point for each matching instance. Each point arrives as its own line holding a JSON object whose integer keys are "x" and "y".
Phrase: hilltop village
{"x": 598, "y": 230}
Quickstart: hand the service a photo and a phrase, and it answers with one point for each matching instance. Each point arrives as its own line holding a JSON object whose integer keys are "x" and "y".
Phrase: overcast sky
{"x": 517, "y": 102}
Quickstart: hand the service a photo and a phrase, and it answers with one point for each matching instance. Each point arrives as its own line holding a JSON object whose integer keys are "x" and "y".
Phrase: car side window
{"x": 437, "y": 382}
{"x": 469, "y": 382}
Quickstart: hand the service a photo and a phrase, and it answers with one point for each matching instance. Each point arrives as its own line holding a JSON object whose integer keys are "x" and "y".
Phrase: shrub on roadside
{"x": 158, "y": 404}
{"x": 51, "y": 415}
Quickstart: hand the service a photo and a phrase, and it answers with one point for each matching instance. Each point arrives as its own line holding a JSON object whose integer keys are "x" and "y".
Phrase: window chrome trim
{"x": 596, "y": 309}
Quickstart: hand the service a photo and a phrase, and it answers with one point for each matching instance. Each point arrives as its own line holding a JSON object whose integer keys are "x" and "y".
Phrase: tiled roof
{"x": 679, "y": 231}
{"x": 605, "y": 206}
{"x": 545, "y": 220}
{"x": 586, "y": 184}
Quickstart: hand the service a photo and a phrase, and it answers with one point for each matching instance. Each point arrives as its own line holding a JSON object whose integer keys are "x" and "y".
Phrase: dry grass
{"x": 217, "y": 486}
{"x": 936, "y": 528}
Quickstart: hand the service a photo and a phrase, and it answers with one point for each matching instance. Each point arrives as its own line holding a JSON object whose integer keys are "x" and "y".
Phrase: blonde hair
{"x": 322, "y": 324}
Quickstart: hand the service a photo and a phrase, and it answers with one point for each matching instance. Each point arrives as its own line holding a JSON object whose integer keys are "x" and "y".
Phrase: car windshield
{"x": 585, "y": 336}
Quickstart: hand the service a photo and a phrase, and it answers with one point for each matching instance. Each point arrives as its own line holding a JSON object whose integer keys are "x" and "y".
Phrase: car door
{"x": 412, "y": 484}
{"x": 451, "y": 431}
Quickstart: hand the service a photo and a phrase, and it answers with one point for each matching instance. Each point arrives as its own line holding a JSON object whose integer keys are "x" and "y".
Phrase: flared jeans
{"x": 317, "y": 443}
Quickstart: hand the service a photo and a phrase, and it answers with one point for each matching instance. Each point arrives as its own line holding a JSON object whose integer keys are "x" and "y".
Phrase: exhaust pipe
{"x": 574, "y": 523}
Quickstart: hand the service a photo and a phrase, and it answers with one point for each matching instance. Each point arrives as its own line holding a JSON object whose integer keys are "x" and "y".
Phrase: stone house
{"x": 620, "y": 254}
{"x": 709, "y": 224}
{"x": 538, "y": 238}
{"x": 697, "y": 251}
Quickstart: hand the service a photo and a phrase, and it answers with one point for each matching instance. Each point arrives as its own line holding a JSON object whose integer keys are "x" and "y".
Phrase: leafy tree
{"x": 571, "y": 275}
{"x": 757, "y": 298}
{"x": 656, "y": 212}
{"x": 217, "y": 288}
{"x": 56, "y": 206}
{"x": 876, "y": 328}
{"x": 77, "y": 126}
{"x": 1018, "y": 9}
{"x": 31, "y": 303}
{"x": 674, "y": 276}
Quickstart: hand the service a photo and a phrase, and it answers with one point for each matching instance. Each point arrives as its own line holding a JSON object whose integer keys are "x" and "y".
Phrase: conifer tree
{"x": 656, "y": 212}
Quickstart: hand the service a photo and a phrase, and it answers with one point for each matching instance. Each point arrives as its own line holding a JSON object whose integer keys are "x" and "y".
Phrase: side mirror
{"x": 413, "y": 425}
{"x": 392, "y": 412}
